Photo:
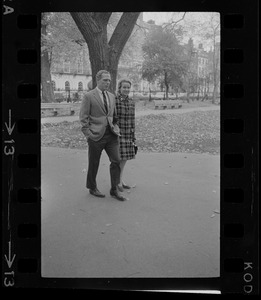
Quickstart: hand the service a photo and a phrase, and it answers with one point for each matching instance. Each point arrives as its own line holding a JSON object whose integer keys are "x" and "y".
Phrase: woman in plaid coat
{"x": 126, "y": 120}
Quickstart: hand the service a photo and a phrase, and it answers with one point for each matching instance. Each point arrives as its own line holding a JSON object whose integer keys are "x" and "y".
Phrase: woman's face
{"x": 125, "y": 88}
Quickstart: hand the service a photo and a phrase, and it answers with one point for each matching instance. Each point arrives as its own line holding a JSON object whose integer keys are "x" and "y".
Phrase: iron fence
{"x": 72, "y": 96}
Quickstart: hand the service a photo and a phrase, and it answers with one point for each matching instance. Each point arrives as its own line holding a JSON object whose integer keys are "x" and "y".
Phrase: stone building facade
{"x": 202, "y": 66}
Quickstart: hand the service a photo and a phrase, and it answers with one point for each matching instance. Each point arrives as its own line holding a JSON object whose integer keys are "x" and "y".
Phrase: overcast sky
{"x": 158, "y": 17}
{"x": 164, "y": 17}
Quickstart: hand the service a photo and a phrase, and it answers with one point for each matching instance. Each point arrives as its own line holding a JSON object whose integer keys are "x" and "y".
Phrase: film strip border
{"x": 21, "y": 148}
{"x": 22, "y": 158}
{"x": 238, "y": 158}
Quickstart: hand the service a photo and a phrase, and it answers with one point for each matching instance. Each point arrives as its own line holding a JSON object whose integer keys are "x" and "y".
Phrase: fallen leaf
{"x": 196, "y": 132}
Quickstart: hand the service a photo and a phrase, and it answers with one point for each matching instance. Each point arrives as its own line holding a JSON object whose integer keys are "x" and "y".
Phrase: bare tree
{"x": 173, "y": 23}
{"x": 204, "y": 27}
{"x": 214, "y": 36}
{"x": 209, "y": 31}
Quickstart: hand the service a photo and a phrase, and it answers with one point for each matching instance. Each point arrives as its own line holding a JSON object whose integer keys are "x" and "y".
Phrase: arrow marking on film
{"x": 9, "y": 127}
{"x": 9, "y": 259}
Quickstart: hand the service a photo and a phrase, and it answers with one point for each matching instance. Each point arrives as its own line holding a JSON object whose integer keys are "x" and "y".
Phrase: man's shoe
{"x": 120, "y": 188}
{"x": 116, "y": 195}
{"x": 96, "y": 193}
{"x": 125, "y": 186}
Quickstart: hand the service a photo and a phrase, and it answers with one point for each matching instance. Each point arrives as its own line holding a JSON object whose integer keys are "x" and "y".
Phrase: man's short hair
{"x": 99, "y": 74}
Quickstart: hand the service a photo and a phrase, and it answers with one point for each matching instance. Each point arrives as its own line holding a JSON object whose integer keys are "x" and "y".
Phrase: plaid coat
{"x": 125, "y": 108}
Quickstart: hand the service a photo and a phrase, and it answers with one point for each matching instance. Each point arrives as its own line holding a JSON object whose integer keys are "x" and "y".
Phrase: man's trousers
{"x": 110, "y": 143}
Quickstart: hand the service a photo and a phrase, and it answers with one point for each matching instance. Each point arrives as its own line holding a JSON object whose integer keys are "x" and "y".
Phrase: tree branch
{"x": 104, "y": 17}
{"x": 123, "y": 31}
{"x": 91, "y": 25}
{"x": 141, "y": 27}
{"x": 175, "y": 22}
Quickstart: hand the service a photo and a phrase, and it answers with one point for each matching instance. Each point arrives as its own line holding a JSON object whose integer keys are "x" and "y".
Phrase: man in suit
{"x": 99, "y": 125}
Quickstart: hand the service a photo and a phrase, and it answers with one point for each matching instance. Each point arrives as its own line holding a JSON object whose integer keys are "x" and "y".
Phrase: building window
{"x": 80, "y": 67}
{"x": 67, "y": 85}
{"x": 54, "y": 68}
{"x": 80, "y": 86}
{"x": 66, "y": 67}
{"x": 54, "y": 85}
{"x": 199, "y": 71}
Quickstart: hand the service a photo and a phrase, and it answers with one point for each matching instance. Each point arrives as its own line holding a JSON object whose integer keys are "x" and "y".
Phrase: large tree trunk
{"x": 215, "y": 82}
{"x": 214, "y": 74}
{"x": 46, "y": 80}
{"x": 214, "y": 96}
{"x": 167, "y": 91}
{"x": 166, "y": 85}
{"x": 104, "y": 54}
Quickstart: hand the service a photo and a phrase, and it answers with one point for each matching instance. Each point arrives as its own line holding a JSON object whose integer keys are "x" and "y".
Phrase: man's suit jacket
{"x": 93, "y": 116}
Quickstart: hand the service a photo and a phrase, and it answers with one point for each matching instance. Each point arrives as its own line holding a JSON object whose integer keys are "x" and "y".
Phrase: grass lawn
{"x": 193, "y": 132}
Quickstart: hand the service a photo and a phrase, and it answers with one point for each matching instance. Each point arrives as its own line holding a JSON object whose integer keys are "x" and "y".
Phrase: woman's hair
{"x": 121, "y": 82}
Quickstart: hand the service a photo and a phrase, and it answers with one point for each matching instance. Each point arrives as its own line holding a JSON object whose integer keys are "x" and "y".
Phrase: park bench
{"x": 55, "y": 107}
{"x": 167, "y": 104}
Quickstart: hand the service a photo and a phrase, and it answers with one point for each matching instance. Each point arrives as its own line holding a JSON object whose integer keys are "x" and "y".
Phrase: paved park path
{"x": 169, "y": 227}
{"x": 138, "y": 113}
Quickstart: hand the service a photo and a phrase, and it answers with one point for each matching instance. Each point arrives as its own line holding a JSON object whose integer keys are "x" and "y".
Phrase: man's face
{"x": 104, "y": 82}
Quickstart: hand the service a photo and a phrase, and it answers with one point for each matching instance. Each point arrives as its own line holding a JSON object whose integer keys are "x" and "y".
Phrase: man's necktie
{"x": 105, "y": 102}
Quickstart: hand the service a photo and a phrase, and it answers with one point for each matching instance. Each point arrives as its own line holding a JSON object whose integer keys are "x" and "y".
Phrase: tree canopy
{"x": 163, "y": 58}
{"x": 62, "y": 37}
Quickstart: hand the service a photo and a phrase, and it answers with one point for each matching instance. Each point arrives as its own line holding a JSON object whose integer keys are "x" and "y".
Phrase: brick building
{"x": 202, "y": 66}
